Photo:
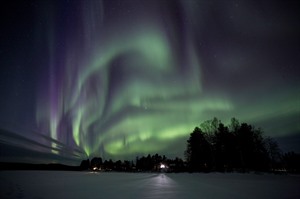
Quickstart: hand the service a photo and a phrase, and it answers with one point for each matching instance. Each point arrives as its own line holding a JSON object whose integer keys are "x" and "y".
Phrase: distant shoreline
{"x": 15, "y": 166}
{"x": 29, "y": 166}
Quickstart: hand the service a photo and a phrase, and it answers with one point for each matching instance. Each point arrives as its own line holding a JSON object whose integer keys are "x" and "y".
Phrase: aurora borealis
{"x": 123, "y": 78}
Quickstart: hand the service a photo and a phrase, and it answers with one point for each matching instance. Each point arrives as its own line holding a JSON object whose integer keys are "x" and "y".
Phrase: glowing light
{"x": 127, "y": 93}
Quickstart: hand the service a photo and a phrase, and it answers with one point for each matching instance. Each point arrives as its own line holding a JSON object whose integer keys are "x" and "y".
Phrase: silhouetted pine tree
{"x": 274, "y": 153}
{"x": 225, "y": 149}
{"x": 198, "y": 153}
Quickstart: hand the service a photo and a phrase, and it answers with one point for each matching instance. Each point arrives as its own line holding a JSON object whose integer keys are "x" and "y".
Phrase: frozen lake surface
{"x": 67, "y": 184}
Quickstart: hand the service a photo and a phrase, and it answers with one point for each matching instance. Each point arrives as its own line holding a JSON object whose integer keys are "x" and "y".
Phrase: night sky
{"x": 123, "y": 78}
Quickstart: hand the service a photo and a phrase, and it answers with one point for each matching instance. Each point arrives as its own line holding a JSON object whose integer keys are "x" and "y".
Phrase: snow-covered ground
{"x": 67, "y": 184}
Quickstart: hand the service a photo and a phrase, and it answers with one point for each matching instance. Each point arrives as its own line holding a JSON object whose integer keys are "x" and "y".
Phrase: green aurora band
{"x": 126, "y": 86}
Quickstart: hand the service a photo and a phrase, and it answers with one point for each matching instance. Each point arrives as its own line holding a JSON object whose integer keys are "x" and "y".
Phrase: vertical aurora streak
{"x": 126, "y": 87}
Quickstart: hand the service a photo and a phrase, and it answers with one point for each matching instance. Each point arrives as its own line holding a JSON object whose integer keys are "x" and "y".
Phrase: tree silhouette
{"x": 274, "y": 153}
{"x": 85, "y": 164}
{"x": 96, "y": 162}
{"x": 253, "y": 154}
{"x": 198, "y": 151}
{"x": 215, "y": 147}
{"x": 226, "y": 148}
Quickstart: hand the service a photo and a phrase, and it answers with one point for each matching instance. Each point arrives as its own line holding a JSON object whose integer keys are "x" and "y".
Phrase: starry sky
{"x": 124, "y": 78}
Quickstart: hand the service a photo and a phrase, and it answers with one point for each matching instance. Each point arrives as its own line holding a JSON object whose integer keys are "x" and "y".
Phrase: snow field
{"x": 68, "y": 184}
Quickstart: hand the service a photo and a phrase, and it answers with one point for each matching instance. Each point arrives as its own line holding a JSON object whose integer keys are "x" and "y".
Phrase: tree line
{"x": 242, "y": 147}
{"x": 213, "y": 146}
